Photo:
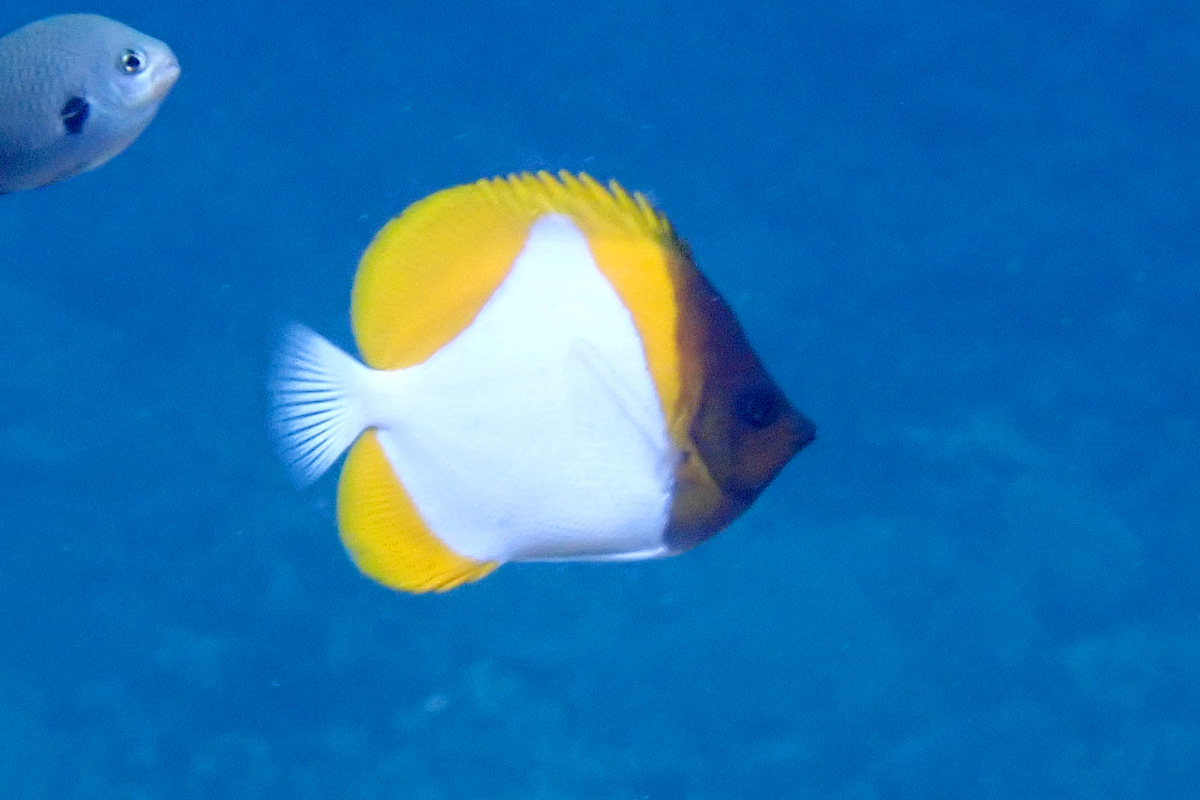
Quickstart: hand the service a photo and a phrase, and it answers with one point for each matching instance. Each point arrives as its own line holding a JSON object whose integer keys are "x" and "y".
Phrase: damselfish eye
{"x": 132, "y": 62}
{"x": 758, "y": 407}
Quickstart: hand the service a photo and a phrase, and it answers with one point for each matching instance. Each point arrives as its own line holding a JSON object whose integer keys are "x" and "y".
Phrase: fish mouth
{"x": 804, "y": 432}
{"x": 164, "y": 76}
{"x": 158, "y": 80}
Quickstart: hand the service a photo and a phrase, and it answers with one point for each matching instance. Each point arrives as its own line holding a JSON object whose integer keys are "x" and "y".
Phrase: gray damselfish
{"x": 75, "y": 90}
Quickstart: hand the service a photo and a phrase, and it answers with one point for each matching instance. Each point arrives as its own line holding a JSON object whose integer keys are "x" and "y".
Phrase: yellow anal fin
{"x": 384, "y": 533}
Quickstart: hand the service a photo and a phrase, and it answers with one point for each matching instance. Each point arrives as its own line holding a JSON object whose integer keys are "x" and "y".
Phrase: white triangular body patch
{"x": 537, "y": 433}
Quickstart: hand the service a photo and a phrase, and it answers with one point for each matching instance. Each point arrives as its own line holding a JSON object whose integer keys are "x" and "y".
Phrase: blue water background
{"x": 962, "y": 235}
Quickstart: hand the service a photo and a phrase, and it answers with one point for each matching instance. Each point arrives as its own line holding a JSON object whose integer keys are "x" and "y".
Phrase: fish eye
{"x": 132, "y": 62}
{"x": 758, "y": 407}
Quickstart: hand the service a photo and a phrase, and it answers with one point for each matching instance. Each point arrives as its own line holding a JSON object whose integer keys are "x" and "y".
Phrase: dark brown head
{"x": 743, "y": 429}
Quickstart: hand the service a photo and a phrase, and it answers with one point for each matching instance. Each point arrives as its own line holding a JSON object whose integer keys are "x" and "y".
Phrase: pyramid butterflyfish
{"x": 545, "y": 376}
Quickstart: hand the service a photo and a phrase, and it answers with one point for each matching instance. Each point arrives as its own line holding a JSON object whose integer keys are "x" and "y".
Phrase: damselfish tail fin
{"x": 317, "y": 406}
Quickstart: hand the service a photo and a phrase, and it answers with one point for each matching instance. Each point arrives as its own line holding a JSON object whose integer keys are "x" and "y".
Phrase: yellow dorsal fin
{"x": 384, "y": 533}
{"x": 428, "y": 272}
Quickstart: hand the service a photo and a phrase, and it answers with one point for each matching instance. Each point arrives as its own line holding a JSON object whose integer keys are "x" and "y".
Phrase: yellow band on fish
{"x": 385, "y": 535}
{"x": 428, "y": 272}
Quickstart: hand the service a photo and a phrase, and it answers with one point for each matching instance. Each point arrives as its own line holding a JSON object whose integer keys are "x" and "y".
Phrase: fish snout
{"x": 804, "y": 432}
{"x": 165, "y": 71}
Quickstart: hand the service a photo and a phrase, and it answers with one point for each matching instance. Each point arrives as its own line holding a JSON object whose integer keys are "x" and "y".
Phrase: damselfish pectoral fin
{"x": 384, "y": 533}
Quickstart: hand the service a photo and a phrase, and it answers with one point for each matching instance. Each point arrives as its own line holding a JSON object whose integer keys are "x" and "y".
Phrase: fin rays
{"x": 316, "y": 410}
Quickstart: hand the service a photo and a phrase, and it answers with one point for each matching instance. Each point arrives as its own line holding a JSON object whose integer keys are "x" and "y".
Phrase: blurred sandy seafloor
{"x": 963, "y": 237}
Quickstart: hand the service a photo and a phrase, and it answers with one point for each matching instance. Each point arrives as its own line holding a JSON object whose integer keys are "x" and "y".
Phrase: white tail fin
{"x": 316, "y": 403}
